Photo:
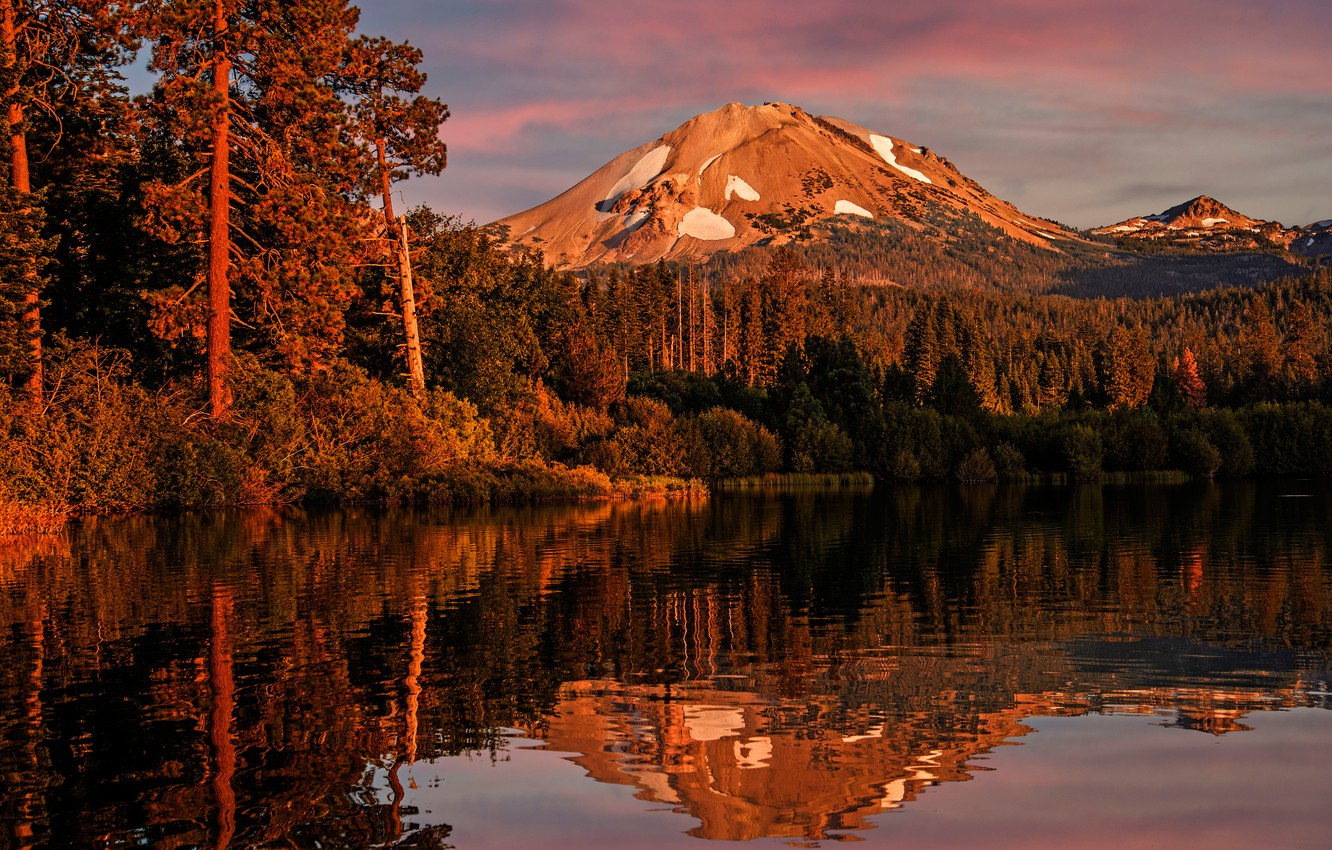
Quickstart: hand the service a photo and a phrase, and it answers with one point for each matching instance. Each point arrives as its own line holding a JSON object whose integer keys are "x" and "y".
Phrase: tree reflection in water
{"x": 771, "y": 666}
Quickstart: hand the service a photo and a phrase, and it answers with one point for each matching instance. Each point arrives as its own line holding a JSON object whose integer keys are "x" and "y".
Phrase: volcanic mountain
{"x": 760, "y": 175}
{"x": 1203, "y": 223}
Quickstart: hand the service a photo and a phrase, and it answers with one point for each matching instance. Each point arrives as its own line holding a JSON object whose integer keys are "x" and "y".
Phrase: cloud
{"x": 1069, "y": 91}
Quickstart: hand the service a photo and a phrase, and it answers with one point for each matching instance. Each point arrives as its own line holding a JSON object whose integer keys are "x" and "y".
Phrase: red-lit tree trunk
{"x": 219, "y": 223}
{"x": 22, "y": 183}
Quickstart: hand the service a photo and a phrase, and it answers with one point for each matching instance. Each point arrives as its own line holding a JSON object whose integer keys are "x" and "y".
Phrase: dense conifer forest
{"x": 207, "y": 298}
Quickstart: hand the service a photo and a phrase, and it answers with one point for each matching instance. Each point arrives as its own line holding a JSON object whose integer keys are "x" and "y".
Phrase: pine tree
{"x": 1188, "y": 381}
{"x": 1259, "y": 352}
{"x": 251, "y": 88}
{"x": 1300, "y": 350}
{"x": 402, "y": 128}
{"x": 1127, "y": 367}
{"x": 41, "y": 45}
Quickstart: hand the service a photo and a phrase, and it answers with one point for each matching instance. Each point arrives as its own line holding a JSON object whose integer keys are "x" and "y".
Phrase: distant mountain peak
{"x": 751, "y": 175}
{"x": 1203, "y": 223}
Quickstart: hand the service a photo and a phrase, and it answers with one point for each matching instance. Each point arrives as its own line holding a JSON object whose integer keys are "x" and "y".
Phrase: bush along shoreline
{"x": 104, "y": 443}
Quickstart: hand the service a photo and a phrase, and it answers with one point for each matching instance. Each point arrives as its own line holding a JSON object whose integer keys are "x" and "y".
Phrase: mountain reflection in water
{"x": 791, "y": 666}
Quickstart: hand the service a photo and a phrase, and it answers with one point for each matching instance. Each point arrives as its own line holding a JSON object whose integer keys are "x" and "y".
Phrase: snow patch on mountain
{"x": 848, "y": 208}
{"x": 705, "y": 224}
{"x": 884, "y": 146}
{"x": 1208, "y": 222}
{"x": 738, "y": 187}
{"x": 707, "y": 162}
{"x": 652, "y": 164}
{"x": 635, "y": 218}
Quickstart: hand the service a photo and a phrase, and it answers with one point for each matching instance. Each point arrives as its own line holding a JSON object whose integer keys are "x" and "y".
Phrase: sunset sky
{"x": 1087, "y": 113}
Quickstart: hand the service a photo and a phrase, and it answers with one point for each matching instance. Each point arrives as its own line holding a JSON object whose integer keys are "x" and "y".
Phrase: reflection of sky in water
{"x": 796, "y": 668}
{"x": 1094, "y": 781}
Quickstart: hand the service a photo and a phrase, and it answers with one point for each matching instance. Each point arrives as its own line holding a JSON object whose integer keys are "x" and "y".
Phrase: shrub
{"x": 976, "y": 468}
{"x": 646, "y": 440}
{"x": 1082, "y": 451}
{"x": 1008, "y": 461}
{"x": 1193, "y": 452}
{"x": 1134, "y": 440}
{"x": 734, "y": 446}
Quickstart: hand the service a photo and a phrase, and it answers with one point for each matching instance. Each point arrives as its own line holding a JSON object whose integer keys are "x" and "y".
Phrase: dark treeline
{"x": 916, "y": 385}
{"x": 206, "y": 297}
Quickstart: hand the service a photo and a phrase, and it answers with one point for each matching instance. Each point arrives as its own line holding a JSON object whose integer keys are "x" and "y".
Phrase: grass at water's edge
{"x": 519, "y": 482}
{"x": 528, "y": 482}
{"x": 790, "y": 481}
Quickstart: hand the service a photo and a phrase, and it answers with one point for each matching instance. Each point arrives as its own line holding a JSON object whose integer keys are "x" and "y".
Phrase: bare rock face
{"x": 749, "y": 175}
{"x": 1204, "y": 224}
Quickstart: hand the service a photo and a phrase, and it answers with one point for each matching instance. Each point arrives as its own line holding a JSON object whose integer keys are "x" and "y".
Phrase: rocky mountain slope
{"x": 761, "y": 175}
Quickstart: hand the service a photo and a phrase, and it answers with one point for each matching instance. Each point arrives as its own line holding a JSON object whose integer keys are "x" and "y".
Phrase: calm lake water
{"x": 1102, "y": 666}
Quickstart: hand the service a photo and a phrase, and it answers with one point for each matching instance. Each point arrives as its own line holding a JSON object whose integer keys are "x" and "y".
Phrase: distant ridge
{"x": 1204, "y": 224}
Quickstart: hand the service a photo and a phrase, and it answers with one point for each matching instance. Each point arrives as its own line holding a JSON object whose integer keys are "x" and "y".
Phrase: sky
{"x": 1084, "y": 112}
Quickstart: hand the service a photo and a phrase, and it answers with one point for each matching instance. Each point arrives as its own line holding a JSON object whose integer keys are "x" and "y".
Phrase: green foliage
{"x": 1193, "y": 452}
{"x": 973, "y": 364}
{"x": 646, "y": 441}
{"x": 1133, "y": 441}
{"x": 733, "y": 446}
{"x": 1290, "y": 439}
{"x": 96, "y": 444}
{"x": 813, "y": 443}
{"x": 977, "y": 468}
{"x": 1008, "y": 461}
{"x": 1082, "y": 451}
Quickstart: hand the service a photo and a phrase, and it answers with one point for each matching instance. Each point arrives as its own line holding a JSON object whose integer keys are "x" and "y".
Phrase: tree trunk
{"x": 219, "y": 223}
{"x": 415, "y": 367}
{"x": 22, "y": 182}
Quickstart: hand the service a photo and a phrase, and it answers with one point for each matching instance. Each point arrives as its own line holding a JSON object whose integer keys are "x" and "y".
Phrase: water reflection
{"x": 769, "y": 667}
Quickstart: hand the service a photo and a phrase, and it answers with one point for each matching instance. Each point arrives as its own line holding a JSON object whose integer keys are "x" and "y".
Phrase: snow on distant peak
{"x": 884, "y": 146}
{"x": 1321, "y": 225}
{"x": 1208, "y": 222}
{"x": 651, "y": 164}
{"x": 707, "y": 162}
{"x": 848, "y": 208}
{"x": 705, "y": 224}
{"x": 738, "y": 187}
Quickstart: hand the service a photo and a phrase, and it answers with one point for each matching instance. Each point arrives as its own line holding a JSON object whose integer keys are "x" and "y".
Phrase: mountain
{"x": 1204, "y": 224}
{"x": 762, "y": 175}
{"x": 1314, "y": 240}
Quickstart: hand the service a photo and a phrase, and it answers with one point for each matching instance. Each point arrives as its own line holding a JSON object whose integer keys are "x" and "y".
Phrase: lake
{"x": 1136, "y": 666}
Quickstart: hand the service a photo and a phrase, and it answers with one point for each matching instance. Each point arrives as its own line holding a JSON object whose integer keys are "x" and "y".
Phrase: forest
{"x": 208, "y": 298}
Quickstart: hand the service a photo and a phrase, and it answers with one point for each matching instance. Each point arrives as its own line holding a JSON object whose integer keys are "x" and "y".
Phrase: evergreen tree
{"x": 1300, "y": 350}
{"x": 1127, "y": 367}
{"x": 42, "y": 43}
{"x": 1188, "y": 381}
{"x": 402, "y": 128}
{"x": 1259, "y": 355}
{"x": 251, "y": 88}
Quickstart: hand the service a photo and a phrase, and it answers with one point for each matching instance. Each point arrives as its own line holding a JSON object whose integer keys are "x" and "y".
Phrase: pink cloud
{"x": 525, "y": 78}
